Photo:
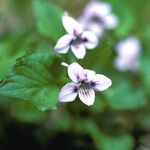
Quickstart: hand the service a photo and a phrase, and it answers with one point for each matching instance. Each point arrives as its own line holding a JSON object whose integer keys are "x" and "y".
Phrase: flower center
{"x": 85, "y": 89}
{"x": 78, "y": 40}
{"x": 85, "y": 85}
{"x": 97, "y": 19}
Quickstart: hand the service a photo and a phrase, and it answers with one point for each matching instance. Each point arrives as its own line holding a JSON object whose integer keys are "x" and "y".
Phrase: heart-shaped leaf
{"x": 31, "y": 80}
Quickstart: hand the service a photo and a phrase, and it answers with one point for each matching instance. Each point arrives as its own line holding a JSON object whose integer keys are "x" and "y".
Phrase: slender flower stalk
{"x": 84, "y": 84}
{"x": 64, "y": 64}
{"x": 76, "y": 38}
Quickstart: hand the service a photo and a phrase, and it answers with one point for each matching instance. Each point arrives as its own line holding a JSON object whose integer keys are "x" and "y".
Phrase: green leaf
{"x": 143, "y": 120}
{"x": 31, "y": 80}
{"x": 120, "y": 142}
{"x": 145, "y": 40}
{"x": 122, "y": 95}
{"x": 11, "y": 48}
{"x": 24, "y": 112}
{"x": 144, "y": 72}
{"x": 108, "y": 142}
{"x": 48, "y": 17}
{"x": 99, "y": 105}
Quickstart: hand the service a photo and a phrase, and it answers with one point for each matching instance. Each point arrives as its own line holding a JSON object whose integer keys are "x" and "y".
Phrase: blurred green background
{"x": 29, "y": 119}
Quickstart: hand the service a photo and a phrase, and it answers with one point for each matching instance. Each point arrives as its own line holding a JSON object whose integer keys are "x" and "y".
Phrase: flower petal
{"x": 88, "y": 75}
{"x": 68, "y": 93}
{"x": 110, "y": 21}
{"x": 96, "y": 28}
{"x": 91, "y": 39}
{"x": 101, "y": 82}
{"x": 95, "y": 8}
{"x": 105, "y": 9}
{"x": 63, "y": 44}
{"x": 79, "y": 50}
{"x": 71, "y": 25}
{"x": 129, "y": 47}
{"x": 74, "y": 71}
{"x": 124, "y": 64}
{"x": 87, "y": 96}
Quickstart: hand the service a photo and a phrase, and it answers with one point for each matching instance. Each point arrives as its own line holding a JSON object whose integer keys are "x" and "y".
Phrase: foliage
{"x": 31, "y": 76}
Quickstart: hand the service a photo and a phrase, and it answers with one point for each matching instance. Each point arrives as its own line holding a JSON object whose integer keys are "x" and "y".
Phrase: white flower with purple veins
{"x": 84, "y": 84}
{"x": 128, "y": 54}
{"x": 77, "y": 39}
{"x": 97, "y": 16}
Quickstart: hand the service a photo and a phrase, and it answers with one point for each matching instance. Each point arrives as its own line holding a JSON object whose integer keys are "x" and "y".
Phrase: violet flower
{"x": 76, "y": 38}
{"x": 84, "y": 84}
{"x": 128, "y": 54}
{"x": 98, "y": 16}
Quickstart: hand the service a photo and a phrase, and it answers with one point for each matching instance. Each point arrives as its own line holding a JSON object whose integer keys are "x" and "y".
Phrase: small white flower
{"x": 97, "y": 16}
{"x": 128, "y": 53}
{"x": 83, "y": 84}
{"x": 77, "y": 39}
